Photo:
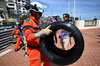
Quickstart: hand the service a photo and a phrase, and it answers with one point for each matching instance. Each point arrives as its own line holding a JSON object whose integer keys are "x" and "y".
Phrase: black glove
{"x": 70, "y": 34}
{"x": 59, "y": 36}
{"x": 18, "y": 33}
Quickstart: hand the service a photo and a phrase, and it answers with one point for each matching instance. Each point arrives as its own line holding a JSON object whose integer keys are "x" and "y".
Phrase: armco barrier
{"x": 2, "y": 27}
{"x": 5, "y": 35}
{"x": 5, "y": 38}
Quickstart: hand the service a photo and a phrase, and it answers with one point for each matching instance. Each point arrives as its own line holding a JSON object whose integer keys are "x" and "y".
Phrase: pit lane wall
{"x": 5, "y": 38}
{"x": 87, "y": 24}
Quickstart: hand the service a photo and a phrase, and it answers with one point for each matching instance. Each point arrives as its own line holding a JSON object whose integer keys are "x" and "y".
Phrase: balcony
{"x": 10, "y": 0}
{"x": 10, "y": 5}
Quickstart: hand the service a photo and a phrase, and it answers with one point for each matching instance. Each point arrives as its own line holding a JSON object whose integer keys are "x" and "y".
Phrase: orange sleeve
{"x": 29, "y": 34}
{"x": 13, "y": 31}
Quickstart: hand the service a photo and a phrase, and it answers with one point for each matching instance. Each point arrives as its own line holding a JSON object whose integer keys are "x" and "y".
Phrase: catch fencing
{"x": 6, "y": 34}
{"x": 5, "y": 38}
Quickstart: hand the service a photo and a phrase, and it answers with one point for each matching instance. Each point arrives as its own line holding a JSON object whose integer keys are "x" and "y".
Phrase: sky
{"x": 84, "y": 9}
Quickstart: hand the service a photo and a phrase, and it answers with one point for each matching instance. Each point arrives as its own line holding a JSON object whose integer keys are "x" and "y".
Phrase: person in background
{"x": 16, "y": 31}
{"x": 51, "y": 21}
{"x": 64, "y": 34}
{"x": 33, "y": 33}
{"x": 21, "y": 21}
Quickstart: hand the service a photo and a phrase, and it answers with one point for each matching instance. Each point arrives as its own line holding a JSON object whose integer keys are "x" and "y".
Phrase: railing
{"x": 5, "y": 27}
{"x": 89, "y": 23}
{"x": 5, "y": 38}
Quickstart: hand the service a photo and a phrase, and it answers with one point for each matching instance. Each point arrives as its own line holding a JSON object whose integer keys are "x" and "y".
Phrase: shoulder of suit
{"x": 15, "y": 27}
{"x": 28, "y": 19}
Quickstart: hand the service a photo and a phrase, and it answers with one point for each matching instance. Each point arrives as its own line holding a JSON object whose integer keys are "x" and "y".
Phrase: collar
{"x": 33, "y": 18}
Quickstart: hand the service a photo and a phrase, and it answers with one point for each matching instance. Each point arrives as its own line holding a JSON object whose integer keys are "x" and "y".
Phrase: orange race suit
{"x": 35, "y": 55}
{"x": 16, "y": 31}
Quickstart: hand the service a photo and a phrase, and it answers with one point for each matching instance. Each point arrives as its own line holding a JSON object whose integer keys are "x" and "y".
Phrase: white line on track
{"x": 5, "y": 52}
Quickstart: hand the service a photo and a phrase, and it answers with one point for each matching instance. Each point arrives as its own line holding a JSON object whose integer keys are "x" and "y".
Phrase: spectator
{"x": 33, "y": 34}
{"x": 51, "y": 21}
{"x": 64, "y": 34}
{"x": 16, "y": 31}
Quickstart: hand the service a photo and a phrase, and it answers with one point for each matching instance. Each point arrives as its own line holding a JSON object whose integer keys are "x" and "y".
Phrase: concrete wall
{"x": 3, "y": 9}
{"x": 81, "y": 24}
{"x": 98, "y": 23}
{"x": 3, "y": 5}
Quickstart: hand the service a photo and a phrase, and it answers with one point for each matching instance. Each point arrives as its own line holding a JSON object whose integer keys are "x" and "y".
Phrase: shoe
{"x": 25, "y": 54}
{"x": 16, "y": 50}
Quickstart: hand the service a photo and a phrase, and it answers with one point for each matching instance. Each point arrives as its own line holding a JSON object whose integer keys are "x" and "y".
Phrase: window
{"x": 23, "y": 11}
{"x": 2, "y": 16}
{"x": 19, "y": 7}
{"x": 11, "y": 1}
{"x": 23, "y": 8}
{"x": 18, "y": 3}
{"x": 23, "y": 4}
{"x": 22, "y": 1}
{"x": 19, "y": 11}
{"x": 18, "y": 0}
{"x": 11, "y": 4}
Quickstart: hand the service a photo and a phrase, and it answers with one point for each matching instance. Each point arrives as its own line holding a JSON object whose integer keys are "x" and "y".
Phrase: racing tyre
{"x": 56, "y": 55}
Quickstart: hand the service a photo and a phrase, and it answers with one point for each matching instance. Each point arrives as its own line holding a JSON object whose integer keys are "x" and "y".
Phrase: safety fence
{"x": 5, "y": 38}
{"x": 5, "y": 27}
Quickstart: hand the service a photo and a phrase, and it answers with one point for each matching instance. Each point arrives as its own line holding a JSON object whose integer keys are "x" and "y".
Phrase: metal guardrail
{"x": 5, "y": 27}
{"x": 5, "y": 38}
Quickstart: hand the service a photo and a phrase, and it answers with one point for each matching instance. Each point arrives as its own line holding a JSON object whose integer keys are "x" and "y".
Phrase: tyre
{"x": 56, "y": 55}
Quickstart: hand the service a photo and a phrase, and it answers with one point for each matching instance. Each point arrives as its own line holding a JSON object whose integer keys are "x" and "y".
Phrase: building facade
{"x": 16, "y": 8}
{"x": 3, "y": 10}
{"x": 12, "y": 9}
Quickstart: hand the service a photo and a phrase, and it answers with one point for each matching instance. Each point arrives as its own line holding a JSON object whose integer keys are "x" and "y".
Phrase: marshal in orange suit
{"x": 33, "y": 33}
{"x": 16, "y": 31}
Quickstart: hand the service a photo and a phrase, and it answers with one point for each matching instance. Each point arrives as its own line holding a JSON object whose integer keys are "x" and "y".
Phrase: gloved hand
{"x": 18, "y": 33}
{"x": 12, "y": 36}
{"x": 70, "y": 34}
{"x": 43, "y": 32}
{"x": 47, "y": 31}
{"x": 59, "y": 36}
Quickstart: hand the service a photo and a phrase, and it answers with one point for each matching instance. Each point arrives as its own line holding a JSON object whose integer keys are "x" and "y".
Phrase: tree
{"x": 95, "y": 18}
{"x": 76, "y": 18}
